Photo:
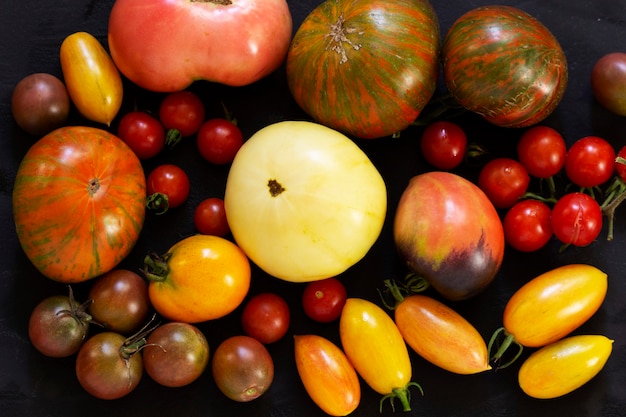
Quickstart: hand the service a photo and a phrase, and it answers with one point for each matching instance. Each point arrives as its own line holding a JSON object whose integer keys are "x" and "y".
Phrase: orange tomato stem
{"x": 403, "y": 394}
{"x": 509, "y": 340}
{"x": 156, "y": 268}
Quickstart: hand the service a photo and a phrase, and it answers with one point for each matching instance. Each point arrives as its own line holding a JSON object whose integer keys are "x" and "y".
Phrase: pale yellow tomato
{"x": 303, "y": 201}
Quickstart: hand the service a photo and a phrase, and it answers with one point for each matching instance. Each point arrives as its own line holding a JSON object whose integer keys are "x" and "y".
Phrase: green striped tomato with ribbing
{"x": 504, "y": 64}
{"x": 78, "y": 203}
{"x": 365, "y": 67}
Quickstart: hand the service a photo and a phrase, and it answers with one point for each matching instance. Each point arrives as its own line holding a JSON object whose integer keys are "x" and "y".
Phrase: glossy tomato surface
{"x": 78, "y": 203}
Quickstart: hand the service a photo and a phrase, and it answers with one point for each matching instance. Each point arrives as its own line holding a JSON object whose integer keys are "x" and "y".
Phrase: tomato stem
{"x": 155, "y": 267}
{"x": 509, "y": 340}
{"x": 616, "y": 195}
{"x": 159, "y": 202}
{"x": 173, "y": 137}
{"x": 403, "y": 394}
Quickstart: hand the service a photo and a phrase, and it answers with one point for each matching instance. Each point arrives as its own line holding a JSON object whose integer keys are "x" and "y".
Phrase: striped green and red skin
{"x": 72, "y": 233}
{"x": 448, "y": 232}
{"x": 504, "y": 64}
{"x": 386, "y": 76}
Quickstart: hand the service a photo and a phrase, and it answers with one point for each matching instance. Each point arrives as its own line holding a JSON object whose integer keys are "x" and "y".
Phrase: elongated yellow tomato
{"x": 440, "y": 335}
{"x": 200, "y": 278}
{"x": 374, "y": 345}
{"x": 303, "y": 201}
{"x": 92, "y": 79}
{"x": 561, "y": 367}
{"x": 328, "y": 376}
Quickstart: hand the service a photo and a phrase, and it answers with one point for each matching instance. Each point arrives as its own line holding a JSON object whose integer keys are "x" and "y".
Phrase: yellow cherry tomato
{"x": 200, "y": 278}
{"x": 561, "y": 367}
{"x": 92, "y": 79}
{"x": 427, "y": 325}
{"x": 327, "y": 375}
{"x": 376, "y": 349}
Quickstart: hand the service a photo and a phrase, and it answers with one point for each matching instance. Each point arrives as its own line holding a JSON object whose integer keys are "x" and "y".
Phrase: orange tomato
{"x": 561, "y": 367}
{"x": 427, "y": 325}
{"x": 200, "y": 278}
{"x": 376, "y": 349}
{"x": 328, "y": 376}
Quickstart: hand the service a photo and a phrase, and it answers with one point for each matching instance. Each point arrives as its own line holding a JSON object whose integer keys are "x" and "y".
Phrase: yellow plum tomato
{"x": 78, "y": 203}
{"x": 303, "y": 201}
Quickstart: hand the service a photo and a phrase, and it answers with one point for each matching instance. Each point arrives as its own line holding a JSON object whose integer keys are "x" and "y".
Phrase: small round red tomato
{"x": 120, "y": 301}
{"x": 167, "y": 187}
{"x": 242, "y": 368}
{"x": 620, "y": 163}
{"x": 504, "y": 180}
{"x": 608, "y": 82}
{"x": 143, "y": 133}
{"x": 176, "y": 354}
{"x": 210, "y": 217}
{"x": 323, "y": 300}
{"x": 541, "y": 150}
{"x": 219, "y": 140}
{"x": 527, "y": 225}
{"x": 576, "y": 219}
{"x": 182, "y": 114}
{"x": 266, "y": 317}
{"x": 590, "y": 161}
{"x": 444, "y": 144}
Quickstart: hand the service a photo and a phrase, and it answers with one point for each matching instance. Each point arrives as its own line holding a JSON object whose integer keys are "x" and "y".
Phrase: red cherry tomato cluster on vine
{"x": 573, "y": 214}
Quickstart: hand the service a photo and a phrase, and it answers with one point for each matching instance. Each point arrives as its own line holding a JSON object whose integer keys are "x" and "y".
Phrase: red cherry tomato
{"x": 443, "y": 145}
{"x": 323, "y": 300}
{"x": 143, "y": 133}
{"x": 266, "y": 317}
{"x": 219, "y": 140}
{"x": 576, "y": 219}
{"x": 590, "y": 161}
{"x": 620, "y": 163}
{"x": 182, "y": 114}
{"x": 210, "y": 217}
{"x": 167, "y": 187}
{"x": 504, "y": 180}
{"x": 527, "y": 226}
{"x": 542, "y": 151}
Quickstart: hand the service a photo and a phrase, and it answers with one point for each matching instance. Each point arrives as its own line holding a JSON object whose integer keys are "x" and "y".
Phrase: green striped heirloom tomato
{"x": 549, "y": 307}
{"x": 328, "y": 376}
{"x": 449, "y": 233}
{"x": 303, "y": 201}
{"x": 365, "y": 67}
{"x": 78, "y": 203}
{"x": 504, "y": 64}
{"x": 376, "y": 349}
{"x": 563, "y": 366}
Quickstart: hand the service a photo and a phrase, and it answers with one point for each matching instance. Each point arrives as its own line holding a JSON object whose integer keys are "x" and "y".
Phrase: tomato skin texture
{"x": 608, "y": 82}
{"x": 564, "y": 366}
{"x": 93, "y": 82}
{"x": 383, "y": 362}
{"x": 328, "y": 376}
{"x": 590, "y": 161}
{"x": 427, "y": 325}
{"x": 175, "y": 354}
{"x": 542, "y": 151}
{"x": 576, "y": 219}
{"x": 505, "y": 65}
{"x": 504, "y": 180}
{"x": 393, "y": 37}
{"x": 448, "y": 231}
{"x": 188, "y": 45}
{"x": 78, "y": 203}
{"x": 527, "y": 225}
{"x": 552, "y": 305}
{"x": 266, "y": 317}
{"x": 206, "y": 277}
{"x": 323, "y": 300}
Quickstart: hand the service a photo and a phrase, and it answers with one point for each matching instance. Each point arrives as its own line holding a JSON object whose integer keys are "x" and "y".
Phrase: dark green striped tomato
{"x": 365, "y": 67}
{"x": 449, "y": 233}
{"x": 504, "y": 64}
{"x": 78, "y": 203}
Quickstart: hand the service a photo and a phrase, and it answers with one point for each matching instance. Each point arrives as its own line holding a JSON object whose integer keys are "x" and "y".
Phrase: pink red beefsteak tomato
{"x": 367, "y": 67}
{"x": 504, "y": 64}
{"x": 78, "y": 203}
{"x": 165, "y": 45}
{"x": 449, "y": 233}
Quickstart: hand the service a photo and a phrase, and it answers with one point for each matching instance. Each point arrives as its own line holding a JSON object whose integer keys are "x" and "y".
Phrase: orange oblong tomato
{"x": 550, "y": 306}
{"x": 440, "y": 335}
{"x": 376, "y": 349}
{"x": 327, "y": 375}
{"x": 563, "y": 366}
{"x": 78, "y": 203}
{"x": 200, "y": 278}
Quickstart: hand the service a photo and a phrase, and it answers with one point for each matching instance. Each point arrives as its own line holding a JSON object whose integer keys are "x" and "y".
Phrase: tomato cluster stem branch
{"x": 617, "y": 194}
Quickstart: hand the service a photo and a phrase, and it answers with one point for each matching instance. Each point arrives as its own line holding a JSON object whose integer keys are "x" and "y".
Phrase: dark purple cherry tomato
{"x": 608, "y": 82}
{"x": 143, "y": 133}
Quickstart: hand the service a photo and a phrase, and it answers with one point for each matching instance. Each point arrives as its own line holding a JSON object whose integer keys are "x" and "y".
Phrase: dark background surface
{"x": 30, "y": 384}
